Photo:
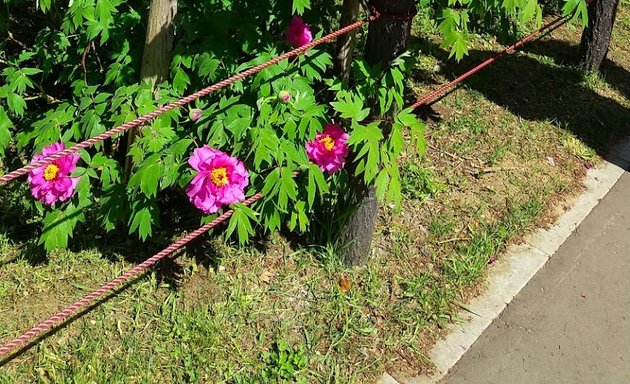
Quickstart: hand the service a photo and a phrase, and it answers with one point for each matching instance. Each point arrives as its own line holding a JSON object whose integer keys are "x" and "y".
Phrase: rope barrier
{"x": 432, "y": 96}
{"x": 112, "y": 285}
{"x": 181, "y": 102}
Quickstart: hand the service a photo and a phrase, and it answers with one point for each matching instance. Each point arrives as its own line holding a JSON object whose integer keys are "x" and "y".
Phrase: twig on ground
{"x": 454, "y": 239}
{"x": 494, "y": 169}
{"x": 454, "y": 156}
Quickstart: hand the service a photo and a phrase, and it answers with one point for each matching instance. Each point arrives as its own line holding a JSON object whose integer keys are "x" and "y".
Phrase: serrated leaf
{"x": 239, "y": 126}
{"x": 16, "y": 103}
{"x": 150, "y": 179}
{"x": 351, "y": 108}
{"x": 288, "y": 189}
{"x": 381, "y": 183}
{"x": 58, "y": 227}
{"x": 5, "y": 126}
{"x": 299, "y": 6}
{"x": 143, "y": 218}
{"x": 241, "y": 221}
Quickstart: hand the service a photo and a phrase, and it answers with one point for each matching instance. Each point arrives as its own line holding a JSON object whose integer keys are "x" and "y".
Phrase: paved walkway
{"x": 571, "y": 323}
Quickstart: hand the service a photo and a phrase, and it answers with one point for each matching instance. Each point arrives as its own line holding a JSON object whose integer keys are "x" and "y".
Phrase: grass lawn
{"x": 505, "y": 150}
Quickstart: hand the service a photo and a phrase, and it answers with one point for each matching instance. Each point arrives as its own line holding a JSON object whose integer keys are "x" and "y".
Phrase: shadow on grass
{"x": 64, "y": 324}
{"x": 538, "y": 90}
{"x": 615, "y": 75}
{"x": 176, "y": 218}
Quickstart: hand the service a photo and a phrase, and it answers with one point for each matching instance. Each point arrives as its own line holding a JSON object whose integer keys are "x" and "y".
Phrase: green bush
{"x": 75, "y": 74}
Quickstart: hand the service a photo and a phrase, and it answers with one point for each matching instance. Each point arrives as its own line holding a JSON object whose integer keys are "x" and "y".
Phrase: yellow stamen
{"x": 328, "y": 142}
{"x": 51, "y": 171}
{"x": 219, "y": 177}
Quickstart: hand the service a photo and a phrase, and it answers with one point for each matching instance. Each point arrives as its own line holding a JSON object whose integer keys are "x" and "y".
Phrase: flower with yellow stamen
{"x": 52, "y": 182}
{"x": 220, "y": 179}
{"x": 329, "y": 149}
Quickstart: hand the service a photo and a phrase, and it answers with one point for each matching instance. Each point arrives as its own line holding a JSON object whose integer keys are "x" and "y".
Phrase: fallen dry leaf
{"x": 265, "y": 276}
{"x": 344, "y": 284}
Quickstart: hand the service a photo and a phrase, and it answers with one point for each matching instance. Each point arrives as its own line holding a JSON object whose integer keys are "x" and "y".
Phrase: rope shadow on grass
{"x": 613, "y": 74}
{"x": 547, "y": 89}
{"x": 66, "y": 322}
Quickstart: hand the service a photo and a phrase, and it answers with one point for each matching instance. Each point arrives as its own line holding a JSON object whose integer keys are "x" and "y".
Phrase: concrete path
{"x": 571, "y": 323}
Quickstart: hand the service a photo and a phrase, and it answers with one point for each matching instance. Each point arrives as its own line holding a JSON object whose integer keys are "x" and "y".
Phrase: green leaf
{"x": 300, "y": 5}
{"x": 150, "y": 179}
{"x": 394, "y": 192}
{"x": 113, "y": 206}
{"x": 16, "y": 103}
{"x": 241, "y": 221}
{"x": 208, "y": 66}
{"x": 366, "y": 143}
{"x": 143, "y": 218}
{"x": 58, "y": 227}
{"x": 44, "y": 5}
{"x": 351, "y": 108}
{"x": 5, "y": 126}
{"x": 381, "y": 183}
{"x": 272, "y": 185}
{"x": 316, "y": 181}
{"x": 529, "y": 10}
{"x": 180, "y": 81}
{"x": 239, "y": 126}
{"x": 298, "y": 217}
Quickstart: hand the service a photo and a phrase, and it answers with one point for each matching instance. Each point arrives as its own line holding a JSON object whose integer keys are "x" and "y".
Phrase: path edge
{"x": 516, "y": 266}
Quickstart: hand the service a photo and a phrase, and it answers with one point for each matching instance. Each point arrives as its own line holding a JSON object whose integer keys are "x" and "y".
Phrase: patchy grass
{"x": 505, "y": 149}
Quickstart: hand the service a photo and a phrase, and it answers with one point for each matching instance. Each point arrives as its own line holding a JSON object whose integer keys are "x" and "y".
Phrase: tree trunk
{"x": 345, "y": 43}
{"x": 597, "y": 34}
{"x": 156, "y": 57}
{"x": 388, "y": 37}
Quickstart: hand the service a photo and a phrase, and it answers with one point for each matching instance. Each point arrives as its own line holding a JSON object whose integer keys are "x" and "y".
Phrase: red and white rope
{"x": 432, "y": 96}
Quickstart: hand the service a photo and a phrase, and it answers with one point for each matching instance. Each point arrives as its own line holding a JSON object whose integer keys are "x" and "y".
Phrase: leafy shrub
{"x": 79, "y": 77}
{"x": 71, "y": 71}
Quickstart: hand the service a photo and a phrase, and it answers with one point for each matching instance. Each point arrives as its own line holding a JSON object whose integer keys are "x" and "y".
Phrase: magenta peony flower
{"x": 298, "y": 33}
{"x": 51, "y": 183}
{"x": 220, "y": 180}
{"x": 329, "y": 149}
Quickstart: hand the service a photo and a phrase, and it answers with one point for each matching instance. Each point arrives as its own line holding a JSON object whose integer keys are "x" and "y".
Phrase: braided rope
{"x": 432, "y": 96}
{"x": 112, "y": 285}
{"x": 181, "y": 102}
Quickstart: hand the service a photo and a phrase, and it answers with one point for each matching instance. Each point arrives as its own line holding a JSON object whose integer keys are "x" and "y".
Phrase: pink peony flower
{"x": 298, "y": 33}
{"x": 220, "y": 180}
{"x": 51, "y": 183}
{"x": 329, "y": 149}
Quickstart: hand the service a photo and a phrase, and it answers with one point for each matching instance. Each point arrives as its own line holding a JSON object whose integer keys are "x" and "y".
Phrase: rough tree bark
{"x": 597, "y": 34}
{"x": 156, "y": 57}
{"x": 345, "y": 43}
{"x": 388, "y": 37}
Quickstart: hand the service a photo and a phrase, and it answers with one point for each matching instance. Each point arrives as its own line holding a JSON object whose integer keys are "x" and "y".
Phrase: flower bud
{"x": 284, "y": 96}
{"x": 195, "y": 114}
